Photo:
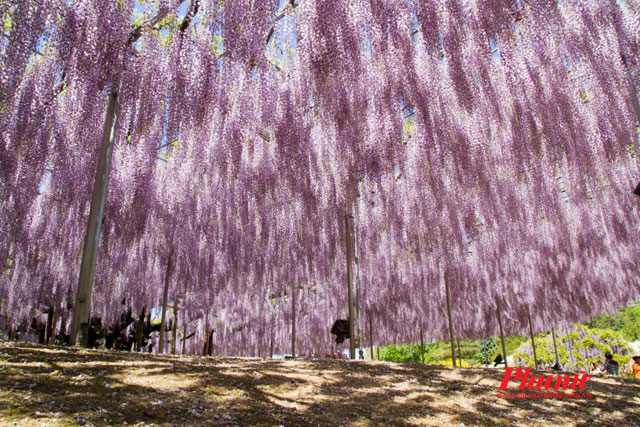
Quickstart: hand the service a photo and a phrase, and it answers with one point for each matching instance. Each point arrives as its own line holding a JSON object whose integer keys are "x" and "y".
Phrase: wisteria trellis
{"x": 494, "y": 140}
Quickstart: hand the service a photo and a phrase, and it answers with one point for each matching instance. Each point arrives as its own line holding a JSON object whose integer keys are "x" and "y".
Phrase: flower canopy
{"x": 483, "y": 144}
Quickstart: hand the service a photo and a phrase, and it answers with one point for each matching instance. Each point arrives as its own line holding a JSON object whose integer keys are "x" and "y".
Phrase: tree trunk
{"x": 210, "y": 341}
{"x": 49, "y": 327}
{"x": 56, "y": 316}
{"x": 271, "y": 349}
{"x": 499, "y": 313}
{"x": 63, "y": 327}
{"x": 163, "y": 315}
{"x": 205, "y": 345}
{"x": 451, "y": 334}
{"x": 92, "y": 236}
{"x": 140, "y": 330}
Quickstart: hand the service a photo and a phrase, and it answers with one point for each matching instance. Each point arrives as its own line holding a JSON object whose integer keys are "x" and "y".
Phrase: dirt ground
{"x": 60, "y": 386}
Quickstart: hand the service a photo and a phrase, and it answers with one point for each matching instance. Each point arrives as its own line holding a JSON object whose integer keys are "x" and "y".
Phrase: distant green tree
{"x": 625, "y": 321}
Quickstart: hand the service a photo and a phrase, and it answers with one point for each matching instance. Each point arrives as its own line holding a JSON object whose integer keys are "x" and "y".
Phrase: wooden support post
{"x": 352, "y": 342}
{"x": 271, "y": 349}
{"x": 533, "y": 343}
{"x": 174, "y": 331}
{"x": 293, "y": 321}
{"x": 92, "y": 236}
{"x": 422, "y": 344}
{"x": 555, "y": 347}
{"x": 451, "y": 334}
{"x": 378, "y": 352}
{"x": 165, "y": 292}
{"x": 499, "y": 313}
{"x": 459, "y": 352}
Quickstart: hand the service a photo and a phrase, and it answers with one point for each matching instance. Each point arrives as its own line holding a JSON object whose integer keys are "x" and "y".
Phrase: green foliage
{"x": 7, "y": 21}
{"x": 589, "y": 341}
{"x": 589, "y": 345}
{"x": 401, "y": 353}
{"x": 625, "y": 321}
{"x": 440, "y": 352}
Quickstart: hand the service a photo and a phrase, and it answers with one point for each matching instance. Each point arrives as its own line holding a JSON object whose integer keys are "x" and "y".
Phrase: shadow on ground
{"x": 62, "y": 386}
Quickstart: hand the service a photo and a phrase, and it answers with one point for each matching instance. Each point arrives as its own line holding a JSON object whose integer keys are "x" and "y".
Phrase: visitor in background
{"x": 594, "y": 370}
{"x": 497, "y": 360}
{"x": 610, "y": 365}
{"x": 636, "y": 367}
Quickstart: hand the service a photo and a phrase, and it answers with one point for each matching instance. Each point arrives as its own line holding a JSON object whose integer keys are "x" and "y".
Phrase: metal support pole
{"x": 92, "y": 236}
{"x": 484, "y": 353}
{"x": 533, "y": 343}
{"x": 293, "y": 321}
{"x": 163, "y": 315}
{"x": 555, "y": 347}
{"x": 174, "y": 332}
{"x": 352, "y": 343}
{"x": 499, "y": 313}
{"x": 357, "y": 265}
{"x": 371, "y": 333}
{"x": 422, "y": 344}
{"x": 451, "y": 334}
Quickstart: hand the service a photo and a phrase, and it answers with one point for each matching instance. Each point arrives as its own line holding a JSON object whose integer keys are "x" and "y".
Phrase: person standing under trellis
{"x": 610, "y": 366}
{"x": 635, "y": 367}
